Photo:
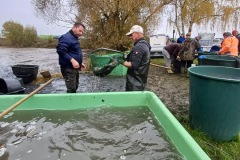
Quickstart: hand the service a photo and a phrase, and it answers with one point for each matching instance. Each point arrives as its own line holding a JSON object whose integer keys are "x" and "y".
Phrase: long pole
{"x": 25, "y": 98}
{"x": 156, "y": 65}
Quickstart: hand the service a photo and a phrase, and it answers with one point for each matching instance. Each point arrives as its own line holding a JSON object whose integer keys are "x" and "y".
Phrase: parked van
{"x": 157, "y": 43}
{"x": 208, "y": 41}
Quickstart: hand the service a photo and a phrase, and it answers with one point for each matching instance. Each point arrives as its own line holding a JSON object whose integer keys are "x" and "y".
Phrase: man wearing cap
{"x": 229, "y": 45}
{"x": 137, "y": 61}
{"x": 237, "y": 35}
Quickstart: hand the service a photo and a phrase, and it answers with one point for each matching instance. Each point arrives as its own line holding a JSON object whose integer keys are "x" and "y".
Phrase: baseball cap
{"x": 135, "y": 28}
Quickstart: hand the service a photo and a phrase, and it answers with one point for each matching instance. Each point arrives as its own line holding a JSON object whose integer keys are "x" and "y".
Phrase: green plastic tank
{"x": 101, "y": 57}
{"x": 218, "y": 60}
{"x": 180, "y": 138}
{"x": 206, "y": 53}
{"x": 214, "y": 101}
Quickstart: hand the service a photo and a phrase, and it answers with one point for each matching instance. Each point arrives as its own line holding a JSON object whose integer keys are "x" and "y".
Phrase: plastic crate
{"x": 102, "y": 60}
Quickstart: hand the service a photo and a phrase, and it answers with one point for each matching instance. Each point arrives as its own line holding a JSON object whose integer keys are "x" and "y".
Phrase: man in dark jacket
{"x": 170, "y": 53}
{"x": 70, "y": 56}
{"x": 138, "y": 61}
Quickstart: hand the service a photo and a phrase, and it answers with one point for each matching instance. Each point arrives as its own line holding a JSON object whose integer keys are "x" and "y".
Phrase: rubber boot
{"x": 182, "y": 71}
{"x": 186, "y": 71}
{"x": 187, "y": 74}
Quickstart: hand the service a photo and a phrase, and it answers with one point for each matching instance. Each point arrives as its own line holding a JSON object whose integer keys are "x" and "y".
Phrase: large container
{"x": 21, "y": 69}
{"x": 102, "y": 60}
{"x": 185, "y": 144}
{"x": 28, "y": 78}
{"x": 206, "y": 53}
{"x": 214, "y": 101}
{"x": 218, "y": 60}
{"x": 10, "y": 86}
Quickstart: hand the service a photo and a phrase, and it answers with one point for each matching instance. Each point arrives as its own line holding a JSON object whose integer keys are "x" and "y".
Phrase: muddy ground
{"x": 172, "y": 89}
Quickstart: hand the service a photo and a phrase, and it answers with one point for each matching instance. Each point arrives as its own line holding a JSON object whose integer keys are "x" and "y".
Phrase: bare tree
{"x": 107, "y": 21}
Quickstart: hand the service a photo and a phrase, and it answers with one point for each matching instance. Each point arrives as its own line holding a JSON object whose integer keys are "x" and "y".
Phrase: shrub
{"x": 18, "y": 36}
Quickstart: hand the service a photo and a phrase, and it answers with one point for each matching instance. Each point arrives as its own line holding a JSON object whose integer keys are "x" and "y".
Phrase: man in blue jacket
{"x": 181, "y": 38}
{"x": 70, "y": 56}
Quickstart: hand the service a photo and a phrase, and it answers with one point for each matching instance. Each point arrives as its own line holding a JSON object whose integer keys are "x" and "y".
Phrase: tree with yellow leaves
{"x": 107, "y": 21}
{"x": 218, "y": 14}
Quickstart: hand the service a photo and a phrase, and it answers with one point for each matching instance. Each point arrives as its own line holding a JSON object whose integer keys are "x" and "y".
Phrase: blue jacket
{"x": 69, "y": 47}
{"x": 180, "y": 40}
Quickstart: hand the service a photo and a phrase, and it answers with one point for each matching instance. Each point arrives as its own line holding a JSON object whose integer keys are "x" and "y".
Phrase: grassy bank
{"x": 41, "y": 42}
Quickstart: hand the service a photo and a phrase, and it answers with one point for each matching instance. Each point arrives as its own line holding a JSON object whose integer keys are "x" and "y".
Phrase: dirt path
{"x": 172, "y": 89}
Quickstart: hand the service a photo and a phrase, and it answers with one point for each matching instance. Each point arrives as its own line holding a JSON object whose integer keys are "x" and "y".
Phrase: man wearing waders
{"x": 137, "y": 61}
{"x": 70, "y": 56}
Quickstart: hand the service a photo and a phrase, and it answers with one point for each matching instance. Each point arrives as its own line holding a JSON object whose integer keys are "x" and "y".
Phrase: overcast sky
{"x": 22, "y": 11}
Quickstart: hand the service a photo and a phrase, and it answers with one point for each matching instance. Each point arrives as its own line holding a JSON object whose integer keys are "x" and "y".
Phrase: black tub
{"x": 26, "y": 79}
{"x": 10, "y": 86}
{"x": 21, "y": 69}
